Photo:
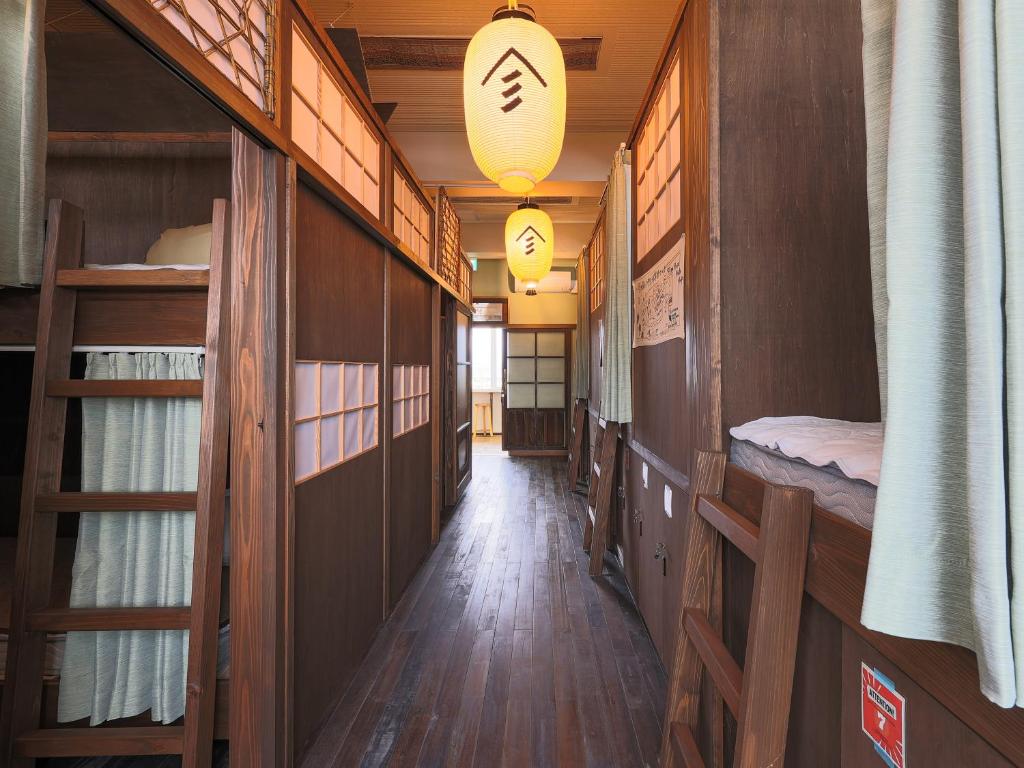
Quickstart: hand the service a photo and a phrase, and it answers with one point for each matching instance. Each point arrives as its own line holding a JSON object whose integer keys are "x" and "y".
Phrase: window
{"x": 335, "y": 414}
{"x": 659, "y": 181}
{"x": 410, "y": 398}
{"x": 234, "y": 40}
{"x": 535, "y": 369}
{"x": 597, "y": 285}
{"x": 412, "y": 220}
{"x": 487, "y": 344}
{"x": 326, "y": 126}
{"x": 489, "y": 311}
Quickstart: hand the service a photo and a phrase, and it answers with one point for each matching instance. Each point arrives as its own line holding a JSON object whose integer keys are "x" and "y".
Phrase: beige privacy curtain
{"x": 128, "y": 559}
{"x": 22, "y": 141}
{"x": 946, "y": 187}
{"x": 616, "y": 382}
{"x": 581, "y": 338}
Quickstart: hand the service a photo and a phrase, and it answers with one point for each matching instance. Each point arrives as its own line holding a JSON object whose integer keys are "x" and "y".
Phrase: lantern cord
{"x": 513, "y": 4}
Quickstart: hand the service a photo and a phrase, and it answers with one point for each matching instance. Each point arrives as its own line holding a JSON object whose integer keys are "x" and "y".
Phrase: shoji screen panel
{"x": 328, "y": 127}
{"x": 412, "y": 222}
{"x": 410, "y": 398}
{"x": 597, "y": 267}
{"x": 336, "y": 412}
{"x": 658, "y": 161}
{"x": 235, "y": 36}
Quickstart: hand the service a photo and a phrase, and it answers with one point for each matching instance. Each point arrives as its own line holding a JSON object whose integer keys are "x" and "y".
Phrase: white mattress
{"x": 839, "y": 461}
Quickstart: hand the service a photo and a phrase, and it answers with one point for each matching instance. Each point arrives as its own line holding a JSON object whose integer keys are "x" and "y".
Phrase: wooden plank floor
{"x": 504, "y": 651}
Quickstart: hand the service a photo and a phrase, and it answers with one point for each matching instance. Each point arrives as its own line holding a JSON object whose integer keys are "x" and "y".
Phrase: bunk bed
{"x": 153, "y": 116}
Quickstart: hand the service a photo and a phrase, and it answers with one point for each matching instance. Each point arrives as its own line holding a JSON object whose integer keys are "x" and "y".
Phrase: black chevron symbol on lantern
{"x": 513, "y": 89}
{"x": 530, "y": 241}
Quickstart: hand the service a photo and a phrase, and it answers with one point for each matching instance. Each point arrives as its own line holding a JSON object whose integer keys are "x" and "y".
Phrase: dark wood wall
{"x": 411, "y": 477}
{"x": 797, "y": 325}
{"x": 131, "y": 191}
{"x": 339, "y": 515}
{"x": 777, "y": 292}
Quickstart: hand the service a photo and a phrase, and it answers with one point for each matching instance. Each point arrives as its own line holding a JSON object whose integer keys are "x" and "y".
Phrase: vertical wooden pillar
{"x": 260, "y": 463}
{"x": 436, "y": 454}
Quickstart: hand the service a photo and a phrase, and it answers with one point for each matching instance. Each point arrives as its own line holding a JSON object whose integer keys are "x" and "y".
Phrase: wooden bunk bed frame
{"x": 265, "y": 172}
{"x": 836, "y": 571}
{"x": 32, "y": 613}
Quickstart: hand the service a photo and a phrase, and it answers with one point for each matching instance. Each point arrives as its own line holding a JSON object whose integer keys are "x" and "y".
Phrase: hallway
{"x": 504, "y": 650}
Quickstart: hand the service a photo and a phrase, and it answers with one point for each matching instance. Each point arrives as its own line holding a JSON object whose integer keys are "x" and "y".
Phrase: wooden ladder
{"x": 579, "y": 415}
{"x": 758, "y": 695}
{"x": 599, "y": 500}
{"x": 21, "y": 737}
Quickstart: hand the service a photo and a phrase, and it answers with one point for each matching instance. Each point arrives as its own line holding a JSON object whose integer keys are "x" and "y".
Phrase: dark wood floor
{"x": 504, "y": 651}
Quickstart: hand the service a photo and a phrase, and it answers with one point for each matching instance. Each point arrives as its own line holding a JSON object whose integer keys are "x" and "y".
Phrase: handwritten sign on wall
{"x": 658, "y": 300}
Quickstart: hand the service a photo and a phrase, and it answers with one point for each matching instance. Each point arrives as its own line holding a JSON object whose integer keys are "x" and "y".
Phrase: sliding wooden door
{"x": 535, "y": 394}
{"x": 458, "y": 402}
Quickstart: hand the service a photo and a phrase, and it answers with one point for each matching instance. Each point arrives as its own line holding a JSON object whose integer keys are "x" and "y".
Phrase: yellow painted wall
{"x": 491, "y": 279}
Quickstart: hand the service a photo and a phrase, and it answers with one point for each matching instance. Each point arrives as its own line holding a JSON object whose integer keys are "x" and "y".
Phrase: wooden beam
{"x": 79, "y": 742}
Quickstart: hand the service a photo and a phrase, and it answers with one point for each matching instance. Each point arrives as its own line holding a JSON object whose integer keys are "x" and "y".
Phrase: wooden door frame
{"x": 567, "y": 328}
{"x": 452, "y": 485}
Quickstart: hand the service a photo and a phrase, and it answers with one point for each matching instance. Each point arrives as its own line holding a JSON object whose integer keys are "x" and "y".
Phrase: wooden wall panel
{"x": 133, "y": 191}
{"x": 797, "y": 325}
{"x": 339, "y": 515}
{"x": 410, "y": 474}
{"x": 935, "y": 737}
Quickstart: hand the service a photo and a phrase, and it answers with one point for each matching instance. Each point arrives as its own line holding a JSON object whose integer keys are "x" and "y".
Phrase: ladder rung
{"x": 125, "y": 388}
{"x": 102, "y": 619}
{"x": 685, "y": 747}
{"x": 731, "y": 524}
{"x": 135, "y": 279}
{"x": 116, "y": 502}
{"x": 716, "y": 657}
{"x": 89, "y": 742}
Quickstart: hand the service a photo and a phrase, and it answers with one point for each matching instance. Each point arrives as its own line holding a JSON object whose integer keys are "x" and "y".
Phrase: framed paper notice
{"x": 658, "y": 300}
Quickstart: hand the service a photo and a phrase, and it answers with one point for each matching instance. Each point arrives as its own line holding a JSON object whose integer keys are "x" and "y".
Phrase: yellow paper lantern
{"x": 529, "y": 245}
{"x": 513, "y": 89}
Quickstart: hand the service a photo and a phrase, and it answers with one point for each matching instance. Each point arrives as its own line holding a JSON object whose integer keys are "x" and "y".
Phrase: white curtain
{"x": 134, "y": 558}
{"x": 22, "y": 141}
{"x": 581, "y": 337}
{"x": 616, "y": 381}
{"x": 944, "y": 88}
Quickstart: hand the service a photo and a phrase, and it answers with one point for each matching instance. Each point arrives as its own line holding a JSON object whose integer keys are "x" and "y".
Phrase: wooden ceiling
{"x": 631, "y": 34}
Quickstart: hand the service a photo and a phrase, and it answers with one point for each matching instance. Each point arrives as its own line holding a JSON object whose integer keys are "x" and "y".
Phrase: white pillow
{"x": 187, "y": 245}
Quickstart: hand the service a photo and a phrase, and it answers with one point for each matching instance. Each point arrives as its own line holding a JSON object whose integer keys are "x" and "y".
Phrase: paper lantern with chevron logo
{"x": 514, "y": 99}
{"x": 529, "y": 245}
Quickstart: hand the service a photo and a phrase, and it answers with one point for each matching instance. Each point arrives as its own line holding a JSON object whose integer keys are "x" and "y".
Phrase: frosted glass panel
{"x": 305, "y": 127}
{"x": 521, "y": 344}
{"x": 521, "y": 396}
{"x": 330, "y": 387}
{"x": 330, "y": 103}
{"x": 305, "y": 449}
{"x": 330, "y": 441}
{"x": 369, "y": 384}
{"x": 396, "y": 383}
{"x": 305, "y": 390}
{"x": 305, "y": 68}
{"x": 410, "y": 419}
{"x": 549, "y": 344}
{"x": 371, "y": 154}
{"x": 353, "y": 176}
{"x": 521, "y": 369}
{"x": 353, "y": 430}
{"x": 551, "y": 369}
{"x": 330, "y": 154}
{"x": 353, "y": 130}
{"x": 353, "y": 382}
{"x": 397, "y": 423}
{"x": 550, "y": 395}
{"x": 369, "y": 427}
